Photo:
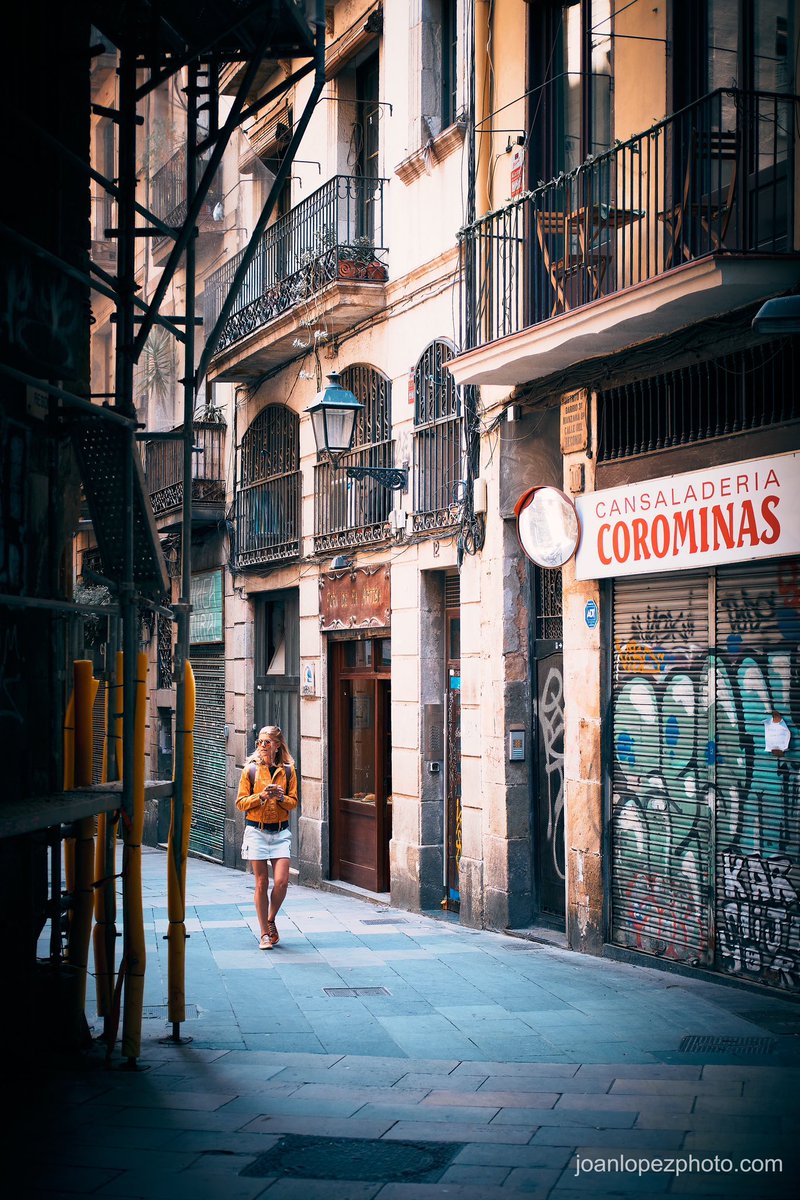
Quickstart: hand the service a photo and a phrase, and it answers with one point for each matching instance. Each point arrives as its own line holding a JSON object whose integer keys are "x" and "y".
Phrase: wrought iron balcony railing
{"x": 350, "y": 512}
{"x": 168, "y": 198}
{"x": 334, "y": 234}
{"x": 268, "y": 521}
{"x": 714, "y": 178}
{"x": 163, "y": 468}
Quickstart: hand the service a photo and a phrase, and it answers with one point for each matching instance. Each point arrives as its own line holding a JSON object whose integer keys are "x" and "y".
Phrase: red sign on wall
{"x": 358, "y": 598}
{"x": 733, "y": 513}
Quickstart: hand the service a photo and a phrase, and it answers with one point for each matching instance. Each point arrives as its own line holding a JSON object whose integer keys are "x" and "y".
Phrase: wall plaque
{"x": 358, "y": 598}
{"x": 575, "y": 422}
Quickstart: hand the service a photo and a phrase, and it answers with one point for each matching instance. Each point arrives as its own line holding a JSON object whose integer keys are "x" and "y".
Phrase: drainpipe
{"x": 483, "y": 107}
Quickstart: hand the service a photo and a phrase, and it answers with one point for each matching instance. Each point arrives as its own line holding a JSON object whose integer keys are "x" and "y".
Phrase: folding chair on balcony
{"x": 698, "y": 224}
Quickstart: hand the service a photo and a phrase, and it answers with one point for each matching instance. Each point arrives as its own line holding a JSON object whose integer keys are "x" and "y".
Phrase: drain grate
{"x": 298, "y": 1156}
{"x": 160, "y": 1012}
{"x": 708, "y": 1044}
{"x": 357, "y": 991}
{"x": 385, "y": 921}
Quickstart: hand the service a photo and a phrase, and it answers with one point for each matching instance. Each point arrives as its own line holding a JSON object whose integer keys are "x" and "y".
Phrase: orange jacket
{"x": 266, "y": 811}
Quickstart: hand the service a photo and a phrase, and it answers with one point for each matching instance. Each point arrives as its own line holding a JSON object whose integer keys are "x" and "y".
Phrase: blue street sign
{"x": 591, "y": 614}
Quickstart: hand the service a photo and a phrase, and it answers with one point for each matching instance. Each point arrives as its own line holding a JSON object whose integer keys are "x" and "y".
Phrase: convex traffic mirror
{"x": 547, "y": 526}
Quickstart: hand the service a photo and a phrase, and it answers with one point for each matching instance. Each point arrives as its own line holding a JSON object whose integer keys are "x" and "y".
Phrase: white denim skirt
{"x": 260, "y": 844}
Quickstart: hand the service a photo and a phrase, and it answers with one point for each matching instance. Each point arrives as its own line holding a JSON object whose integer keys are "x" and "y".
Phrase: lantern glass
{"x": 333, "y": 417}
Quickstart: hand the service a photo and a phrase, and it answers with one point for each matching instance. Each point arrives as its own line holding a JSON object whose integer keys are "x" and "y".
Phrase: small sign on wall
{"x": 308, "y": 686}
{"x": 575, "y": 422}
{"x": 517, "y": 172}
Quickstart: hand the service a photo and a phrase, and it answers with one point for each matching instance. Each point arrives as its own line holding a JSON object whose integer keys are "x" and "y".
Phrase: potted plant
{"x": 357, "y": 260}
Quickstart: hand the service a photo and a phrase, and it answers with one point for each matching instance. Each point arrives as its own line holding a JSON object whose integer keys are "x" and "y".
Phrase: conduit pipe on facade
{"x": 483, "y": 105}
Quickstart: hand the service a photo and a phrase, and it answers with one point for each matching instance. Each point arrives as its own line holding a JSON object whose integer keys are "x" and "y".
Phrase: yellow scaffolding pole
{"x": 177, "y": 854}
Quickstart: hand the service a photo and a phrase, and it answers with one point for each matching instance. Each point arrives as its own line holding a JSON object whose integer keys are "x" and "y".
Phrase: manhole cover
{"x": 299, "y": 1157}
{"x": 385, "y": 921}
{"x": 160, "y": 1012}
{"x": 356, "y": 991}
{"x": 708, "y": 1044}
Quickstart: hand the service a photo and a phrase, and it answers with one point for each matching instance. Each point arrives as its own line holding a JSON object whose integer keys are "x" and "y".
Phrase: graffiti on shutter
{"x": 758, "y": 791}
{"x": 208, "y": 804}
{"x": 661, "y": 804}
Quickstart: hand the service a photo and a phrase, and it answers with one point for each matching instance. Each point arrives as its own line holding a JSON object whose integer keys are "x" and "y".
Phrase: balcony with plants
{"x": 325, "y": 258}
{"x": 163, "y": 469}
{"x": 686, "y": 221}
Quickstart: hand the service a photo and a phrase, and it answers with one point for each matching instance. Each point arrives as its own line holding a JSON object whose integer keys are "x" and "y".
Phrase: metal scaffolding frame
{"x": 155, "y": 40}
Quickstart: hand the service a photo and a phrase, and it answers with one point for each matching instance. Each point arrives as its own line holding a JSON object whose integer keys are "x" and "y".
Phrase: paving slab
{"x": 520, "y": 1056}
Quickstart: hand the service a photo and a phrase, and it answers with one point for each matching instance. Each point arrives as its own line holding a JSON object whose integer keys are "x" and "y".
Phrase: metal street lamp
{"x": 333, "y": 419}
{"x": 779, "y": 315}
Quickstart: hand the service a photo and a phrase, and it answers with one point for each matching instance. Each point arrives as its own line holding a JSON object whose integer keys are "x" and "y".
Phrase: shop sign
{"x": 734, "y": 513}
{"x": 205, "y": 620}
{"x": 358, "y": 598}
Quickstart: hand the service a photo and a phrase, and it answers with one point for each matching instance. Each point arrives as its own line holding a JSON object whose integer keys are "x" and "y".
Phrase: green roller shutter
{"x": 208, "y": 803}
{"x": 661, "y": 814}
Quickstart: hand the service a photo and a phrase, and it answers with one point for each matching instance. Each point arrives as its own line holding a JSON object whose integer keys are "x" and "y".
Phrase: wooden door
{"x": 361, "y": 763}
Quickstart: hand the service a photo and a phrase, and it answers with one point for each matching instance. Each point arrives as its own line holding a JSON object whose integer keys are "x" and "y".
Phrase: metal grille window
{"x": 748, "y": 389}
{"x": 549, "y": 604}
{"x": 350, "y": 512}
{"x": 438, "y": 451}
{"x": 267, "y": 511}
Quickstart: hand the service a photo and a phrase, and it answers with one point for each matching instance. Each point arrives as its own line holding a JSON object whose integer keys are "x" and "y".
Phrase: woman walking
{"x": 267, "y": 793}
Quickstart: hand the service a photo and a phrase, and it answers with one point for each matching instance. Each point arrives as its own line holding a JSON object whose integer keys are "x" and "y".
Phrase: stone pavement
{"x": 379, "y": 1053}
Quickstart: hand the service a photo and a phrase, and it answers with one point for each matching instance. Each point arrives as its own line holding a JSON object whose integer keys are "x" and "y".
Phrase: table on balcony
{"x": 578, "y": 227}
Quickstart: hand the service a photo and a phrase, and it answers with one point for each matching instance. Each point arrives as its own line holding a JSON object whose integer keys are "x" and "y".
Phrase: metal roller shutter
{"x": 208, "y": 806}
{"x": 661, "y": 819}
{"x": 98, "y": 732}
{"x": 758, "y": 814}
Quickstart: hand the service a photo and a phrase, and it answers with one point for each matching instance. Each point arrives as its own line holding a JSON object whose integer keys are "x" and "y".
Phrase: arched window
{"x": 438, "y": 449}
{"x": 349, "y": 512}
{"x": 267, "y": 510}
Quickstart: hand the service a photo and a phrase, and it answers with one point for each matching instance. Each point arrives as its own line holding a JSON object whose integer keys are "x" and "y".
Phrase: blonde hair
{"x": 282, "y": 754}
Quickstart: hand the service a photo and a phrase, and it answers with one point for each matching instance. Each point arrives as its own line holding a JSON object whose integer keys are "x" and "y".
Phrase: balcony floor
{"x": 337, "y": 307}
{"x": 690, "y": 293}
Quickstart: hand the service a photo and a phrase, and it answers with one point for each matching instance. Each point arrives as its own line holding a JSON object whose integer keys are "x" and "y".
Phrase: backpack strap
{"x": 251, "y": 774}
